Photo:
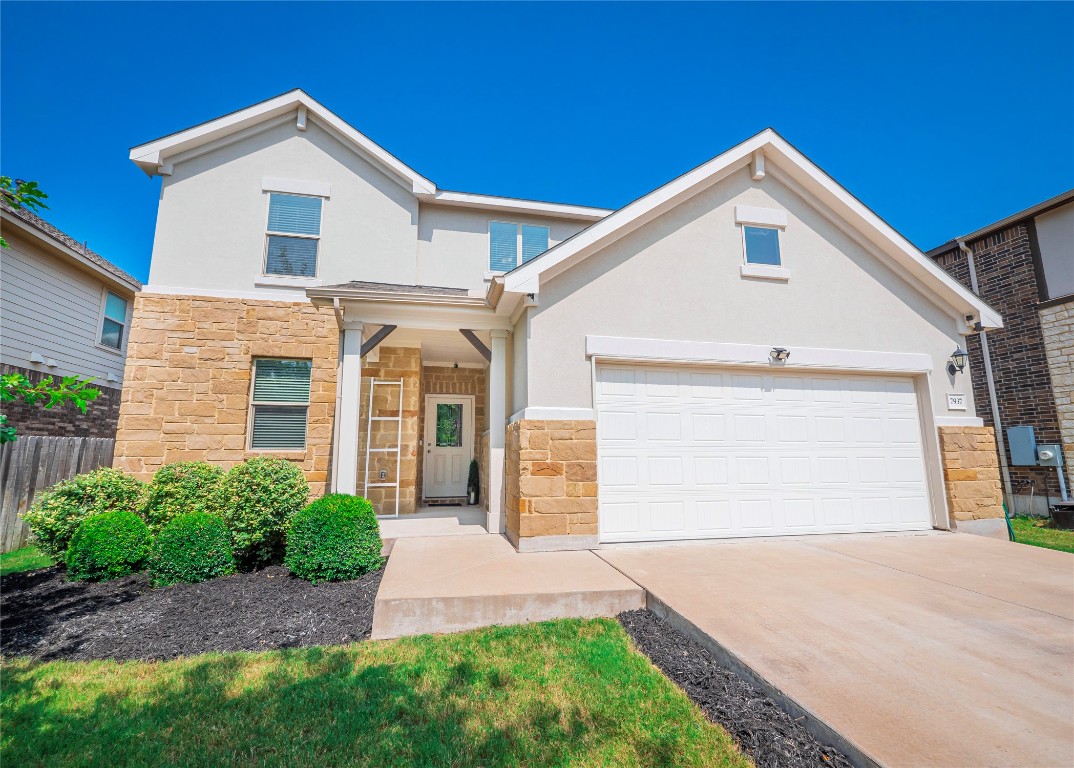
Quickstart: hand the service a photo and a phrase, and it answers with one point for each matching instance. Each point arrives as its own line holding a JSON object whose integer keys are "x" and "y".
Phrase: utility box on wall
{"x": 1022, "y": 442}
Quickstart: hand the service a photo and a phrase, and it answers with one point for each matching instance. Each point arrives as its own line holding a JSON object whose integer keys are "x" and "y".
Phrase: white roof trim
{"x": 777, "y": 151}
{"x": 153, "y": 156}
{"x": 515, "y": 205}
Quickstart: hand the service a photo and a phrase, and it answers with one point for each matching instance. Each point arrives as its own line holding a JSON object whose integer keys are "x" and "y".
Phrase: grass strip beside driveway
{"x": 561, "y": 693}
{"x": 1040, "y": 532}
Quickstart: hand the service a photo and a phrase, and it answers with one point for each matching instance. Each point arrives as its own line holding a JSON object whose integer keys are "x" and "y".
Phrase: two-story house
{"x": 747, "y": 350}
{"x": 66, "y": 311}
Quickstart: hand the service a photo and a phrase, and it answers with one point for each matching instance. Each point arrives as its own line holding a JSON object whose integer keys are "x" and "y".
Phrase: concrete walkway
{"x": 920, "y": 650}
{"x": 455, "y": 583}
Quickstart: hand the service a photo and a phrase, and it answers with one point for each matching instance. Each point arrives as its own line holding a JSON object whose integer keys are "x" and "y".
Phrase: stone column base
{"x": 971, "y": 473}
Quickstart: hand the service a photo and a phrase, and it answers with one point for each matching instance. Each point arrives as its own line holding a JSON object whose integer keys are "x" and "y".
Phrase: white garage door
{"x": 688, "y": 453}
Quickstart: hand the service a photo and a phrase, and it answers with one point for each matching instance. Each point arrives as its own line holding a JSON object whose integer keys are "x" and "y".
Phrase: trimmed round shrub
{"x": 258, "y": 498}
{"x": 336, "y": 538}
{"x": 191, "y": 548}
{"x": 181, "y": 488}
{"x": 107, "y": 546}
{"x": 58, "y": 512}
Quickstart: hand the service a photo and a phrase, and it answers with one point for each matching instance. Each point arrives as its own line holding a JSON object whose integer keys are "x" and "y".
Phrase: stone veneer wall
{"x": 1057, "y": 323}
{"x": 99, "y": 420}
{"x": 186, "y": 391}
{"x": 444, "y": 380}
{"x": 971, "y": 473}
{"x": 551, "y": 482}
{"x": 394, "y": 363}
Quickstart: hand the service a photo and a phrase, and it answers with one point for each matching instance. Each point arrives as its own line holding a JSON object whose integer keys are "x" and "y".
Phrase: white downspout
{"x": 1001, "y": 443}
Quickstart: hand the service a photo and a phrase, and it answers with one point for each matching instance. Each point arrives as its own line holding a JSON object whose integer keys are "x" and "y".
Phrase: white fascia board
{"x": 643, "y": 209}
{"x": 898, "y": 248}
{"x": 514, "y": 205}
{"x": 151, "y": 155}
{"x": 720, "y": 353}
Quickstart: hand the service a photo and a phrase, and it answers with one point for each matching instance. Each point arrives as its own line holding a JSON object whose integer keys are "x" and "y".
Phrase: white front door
{"x": 692, "y": 452}
{"x": 449, "y": 444}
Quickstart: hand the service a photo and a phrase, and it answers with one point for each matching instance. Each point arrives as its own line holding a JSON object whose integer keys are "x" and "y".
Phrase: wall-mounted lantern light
{"x": 957, "y": 363}
{"x": 779, "y": 353}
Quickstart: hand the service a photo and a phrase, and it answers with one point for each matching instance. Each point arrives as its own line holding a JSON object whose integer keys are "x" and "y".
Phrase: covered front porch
{"x": 422, "y": 390}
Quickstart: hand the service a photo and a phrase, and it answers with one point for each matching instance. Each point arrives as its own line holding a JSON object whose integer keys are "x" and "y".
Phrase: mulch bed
{"x": 45, "y": 616}
{"x": 764, "y": 731}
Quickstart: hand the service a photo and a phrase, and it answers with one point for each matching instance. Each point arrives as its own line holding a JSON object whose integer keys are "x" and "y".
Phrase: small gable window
{"x": 762, "y": 246}
{"x": 293, "y": 237}
{"x": 512, "y": 244}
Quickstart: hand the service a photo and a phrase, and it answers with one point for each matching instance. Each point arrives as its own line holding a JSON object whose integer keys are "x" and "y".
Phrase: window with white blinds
{"x": 294, "y": 232}
{"x": 280, "y": 405}
{"x": 507, "y": 241}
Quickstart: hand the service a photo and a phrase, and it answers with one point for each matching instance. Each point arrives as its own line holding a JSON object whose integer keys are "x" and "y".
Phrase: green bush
{"x": 57, "y": 513}
{"x": 192, "y": 548}
{"x": 258, "y": 498}
{"x": 107, "y": 546}
{"x": 335, "y": 538}
{"x": 179, "y": 489}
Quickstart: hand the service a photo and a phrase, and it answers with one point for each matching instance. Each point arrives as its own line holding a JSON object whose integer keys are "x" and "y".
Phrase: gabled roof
{"x": 154, "y": 157}
{"x": 768, "y": 152}
{"x": 33, "y": 225}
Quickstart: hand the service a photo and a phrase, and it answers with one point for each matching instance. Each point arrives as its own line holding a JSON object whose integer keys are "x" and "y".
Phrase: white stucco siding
{"x": 1055, "y": 236}
{"x": 53, "y": 308}
{"x": 678, "y": 278}
{"x": 453, "y": 242}
{"x": 213, "y": 213}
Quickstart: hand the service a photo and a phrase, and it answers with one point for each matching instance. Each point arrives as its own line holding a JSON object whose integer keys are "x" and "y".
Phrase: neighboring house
{"x": 65, "y": 312}
{"x": 746, "y": 351}
{"x": 1024, "y": 267}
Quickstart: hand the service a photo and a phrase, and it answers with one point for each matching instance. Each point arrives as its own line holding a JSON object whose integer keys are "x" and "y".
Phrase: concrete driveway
{"x": 933, "y": 649}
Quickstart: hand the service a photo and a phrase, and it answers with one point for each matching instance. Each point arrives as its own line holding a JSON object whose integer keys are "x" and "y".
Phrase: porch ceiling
{"x": 438, "y": 347}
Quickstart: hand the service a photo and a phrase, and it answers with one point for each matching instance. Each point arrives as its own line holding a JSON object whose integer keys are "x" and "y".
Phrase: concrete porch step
{"x": 442, "y": 584}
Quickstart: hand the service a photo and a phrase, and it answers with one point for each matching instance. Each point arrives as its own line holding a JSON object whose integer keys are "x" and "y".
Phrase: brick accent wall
{"x": 551, "y": 482}
{"x": 1057, "y": 323}
{"x": 1007, "y": 280}
{"x": 394, "y": 363}
{"x": 971, "y": 473}
{"x": 186, "y": 390}
{"x": 443, "y": 380}
{"x": 99, "y": 420}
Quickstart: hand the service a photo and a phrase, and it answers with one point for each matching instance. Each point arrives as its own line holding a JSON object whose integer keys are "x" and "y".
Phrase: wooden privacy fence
{"x": 34, "y": 464}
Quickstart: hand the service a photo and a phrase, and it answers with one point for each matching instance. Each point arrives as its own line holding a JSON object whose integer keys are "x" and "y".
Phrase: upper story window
{"x": 113, "y": 320}
{"x": 294, "y": 232}
{"x": 513, "y": 244}
{"x": 762, "y": 246}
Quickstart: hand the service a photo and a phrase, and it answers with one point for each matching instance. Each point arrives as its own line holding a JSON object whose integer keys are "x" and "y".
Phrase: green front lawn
{"x": 25, "y": 559}
{"x": 563, "y": 693}
{"x": 1037, "y": 532}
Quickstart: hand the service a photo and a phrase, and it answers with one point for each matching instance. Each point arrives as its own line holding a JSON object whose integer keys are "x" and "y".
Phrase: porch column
{"x": 497, "y": 426}
{"x": 347, "y": 410}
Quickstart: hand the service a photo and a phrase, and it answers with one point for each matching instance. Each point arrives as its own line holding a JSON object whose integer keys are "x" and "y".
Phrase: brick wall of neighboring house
{"x": 971, "y": 473}
{"x": 443, "y": 380}
{"x": 551, "y": 482}
{"x": 99, "y": 420}
{"x": 1007, "y": 281}
{"x": 187, "y": 381}
{"x": 394, "y": 363}
{"x": 1057, "y": 322}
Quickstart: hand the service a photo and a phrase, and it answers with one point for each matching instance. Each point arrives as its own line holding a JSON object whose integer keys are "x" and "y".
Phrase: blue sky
{"x": 941, "y": 117}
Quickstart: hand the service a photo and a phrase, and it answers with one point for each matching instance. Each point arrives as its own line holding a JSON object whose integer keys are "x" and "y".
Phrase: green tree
{"x": 21, "y": 194}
